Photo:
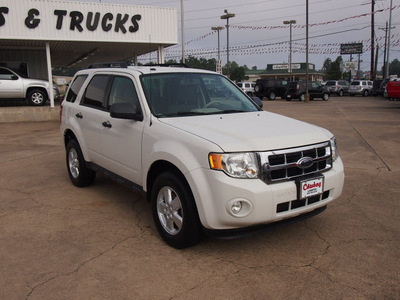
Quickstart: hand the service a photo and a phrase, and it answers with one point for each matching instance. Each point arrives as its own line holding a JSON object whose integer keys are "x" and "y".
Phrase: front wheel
{"x": 272, "y": 95}
{"x": 78, "y": 172}
{"x": 174, "y": 211}
{"x": 302, "y": 97}
{"x": 325, "y": 97}
{"x": 37, "y": 97}
{"x": 365, "y": 93}
{"x": 341, "y": 93}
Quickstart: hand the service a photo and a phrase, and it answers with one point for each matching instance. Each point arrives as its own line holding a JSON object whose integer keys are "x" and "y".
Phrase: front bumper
{"x": 215, "y": 192}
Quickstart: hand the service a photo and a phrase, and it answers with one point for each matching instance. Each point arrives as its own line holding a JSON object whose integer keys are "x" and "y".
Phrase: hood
{"x": 252, "y": 131}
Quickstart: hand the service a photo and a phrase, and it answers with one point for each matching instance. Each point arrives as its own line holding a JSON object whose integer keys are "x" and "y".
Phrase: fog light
{"x": 236, "y": 207}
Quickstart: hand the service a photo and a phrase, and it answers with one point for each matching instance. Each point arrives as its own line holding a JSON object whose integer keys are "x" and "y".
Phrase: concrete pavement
{"x": 61, "y": 242}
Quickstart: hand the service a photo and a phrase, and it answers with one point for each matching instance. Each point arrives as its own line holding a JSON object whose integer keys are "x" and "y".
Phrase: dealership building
{"x": 294, "y": 72}
{"x": 36, "y": 35}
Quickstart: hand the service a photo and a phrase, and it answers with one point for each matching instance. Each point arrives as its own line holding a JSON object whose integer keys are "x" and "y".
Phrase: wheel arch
{"x": 31, "y": 88}
{"x": 159, "y": 167}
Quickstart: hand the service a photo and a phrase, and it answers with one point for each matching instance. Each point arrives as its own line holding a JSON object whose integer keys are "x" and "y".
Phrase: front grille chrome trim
{"x": 282, "y": 165}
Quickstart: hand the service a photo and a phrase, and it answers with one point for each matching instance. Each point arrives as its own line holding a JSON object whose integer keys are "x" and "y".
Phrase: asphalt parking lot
{"x": 61, "y": 242}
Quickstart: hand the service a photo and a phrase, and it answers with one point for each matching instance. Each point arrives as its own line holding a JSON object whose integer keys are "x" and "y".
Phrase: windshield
{"x": 330, "y": 83}
{"x": 189, "y": 94}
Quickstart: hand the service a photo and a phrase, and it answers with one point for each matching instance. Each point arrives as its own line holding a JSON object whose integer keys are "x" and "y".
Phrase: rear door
{"x": 11, "y": 85}
{"x": 91, "y": 111}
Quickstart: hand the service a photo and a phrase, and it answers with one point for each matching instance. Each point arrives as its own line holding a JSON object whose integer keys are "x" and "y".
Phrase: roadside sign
{"x": 350, "y": 65}
{"x": 353, "y": 48}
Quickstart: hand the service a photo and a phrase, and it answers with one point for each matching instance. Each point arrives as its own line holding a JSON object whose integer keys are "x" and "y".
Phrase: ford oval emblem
{"x": 305, "y": 162}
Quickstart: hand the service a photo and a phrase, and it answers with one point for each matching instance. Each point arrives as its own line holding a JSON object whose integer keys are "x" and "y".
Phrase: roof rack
{"x": 118, "y": 64}
{"x": 170, "y": 65}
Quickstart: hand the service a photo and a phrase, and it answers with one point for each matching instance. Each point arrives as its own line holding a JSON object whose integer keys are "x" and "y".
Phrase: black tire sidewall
{"x": 37, "y": 104}
{"x": 191, "y": 231}
{"x": 86, "y": 176}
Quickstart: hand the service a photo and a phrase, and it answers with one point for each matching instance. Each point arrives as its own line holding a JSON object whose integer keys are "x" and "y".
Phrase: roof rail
{"x": 170, "y": 65}
{"x": 118, "y": 64}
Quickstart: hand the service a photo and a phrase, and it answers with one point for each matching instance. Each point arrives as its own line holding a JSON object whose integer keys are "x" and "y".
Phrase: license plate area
{"x": 310, "y": 187}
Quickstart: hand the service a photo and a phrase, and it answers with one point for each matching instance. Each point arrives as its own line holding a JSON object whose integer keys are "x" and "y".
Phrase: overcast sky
{"x": 259, "y": 43}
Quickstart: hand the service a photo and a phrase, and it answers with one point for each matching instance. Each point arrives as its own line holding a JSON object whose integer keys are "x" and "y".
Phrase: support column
{"x": 49, "y": 75}
{"x": 160, "y": 54}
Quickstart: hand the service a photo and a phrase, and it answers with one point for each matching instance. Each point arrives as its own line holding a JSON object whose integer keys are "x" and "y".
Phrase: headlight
{"x": 238, "y": 165}
{"x": 335, "y": 150}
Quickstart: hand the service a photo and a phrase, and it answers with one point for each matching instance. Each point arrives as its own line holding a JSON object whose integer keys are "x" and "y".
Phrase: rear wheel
{"x": 365, "y": 93}
{"x": 341, "y": 93}
{"x": 174, "y": 211}
{"x": 37, "y": 97}
{"x": 78, "y": 172}
{"x": 302, "y": 97}
{"x": 271, "y": 95}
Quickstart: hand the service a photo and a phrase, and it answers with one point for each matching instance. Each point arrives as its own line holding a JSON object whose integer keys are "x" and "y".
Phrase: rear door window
{"x": 95, "y": 94}
{"x": 75, "y": 88}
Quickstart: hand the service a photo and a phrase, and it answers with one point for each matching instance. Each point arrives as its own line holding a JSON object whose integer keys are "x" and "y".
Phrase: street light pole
{"x": 290, "y": 51}
{"x": 223, "y": 17}
{"x": 218, "y": 28}
{"x": 307, "y": 92}
{"x": 183, "y": 32}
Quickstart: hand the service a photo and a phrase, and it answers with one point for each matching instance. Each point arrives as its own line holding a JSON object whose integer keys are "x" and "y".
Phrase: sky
{"x": 257, "y": 35}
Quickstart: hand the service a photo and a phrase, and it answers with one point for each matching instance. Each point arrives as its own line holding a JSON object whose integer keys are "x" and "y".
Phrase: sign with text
{"x": 353, "y": 48}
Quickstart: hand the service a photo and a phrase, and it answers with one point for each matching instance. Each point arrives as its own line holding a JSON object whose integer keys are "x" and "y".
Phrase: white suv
{"x": 209, "y": 159}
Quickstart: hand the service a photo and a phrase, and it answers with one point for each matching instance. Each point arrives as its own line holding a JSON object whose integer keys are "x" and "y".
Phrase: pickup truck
{"x": 14, "y": 85}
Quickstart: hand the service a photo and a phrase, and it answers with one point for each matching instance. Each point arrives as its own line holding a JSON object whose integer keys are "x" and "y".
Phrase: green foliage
{"x": 394, "y": 67}
{"x": 333, "y": 69}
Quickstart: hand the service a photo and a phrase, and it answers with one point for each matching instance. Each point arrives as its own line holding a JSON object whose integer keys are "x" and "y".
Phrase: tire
{"x": 325, "y": 96}
{"x": 365, "y": 93}
{"x": 302, "y": 97}
{"x": 174, "y": 211}
{"x": 78, "y": 172}
{"x": 271, "y": 95}
{"x": 37, "y": 97}
{"x": 341, "y": 93}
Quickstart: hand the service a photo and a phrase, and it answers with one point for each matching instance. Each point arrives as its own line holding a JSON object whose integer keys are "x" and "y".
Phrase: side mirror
{"x": 258, "y": 101}
{"x": 126, "y": 111}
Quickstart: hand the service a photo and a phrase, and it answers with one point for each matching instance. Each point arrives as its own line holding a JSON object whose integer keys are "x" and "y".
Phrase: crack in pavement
{"x": 77, "y": 269}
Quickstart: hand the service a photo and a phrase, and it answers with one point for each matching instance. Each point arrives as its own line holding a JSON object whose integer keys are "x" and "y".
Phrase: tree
{"x": 394, "y": 67}
{"x": 333, "y": 70}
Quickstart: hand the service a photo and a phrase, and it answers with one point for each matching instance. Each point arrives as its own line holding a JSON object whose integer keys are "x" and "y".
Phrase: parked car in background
{"x": 14, "y": 85}
{"x": 375, "y": 87}
{"x": 382, "y": 87}
{"x": 297, "y": 90}
{"x": 338, "y": 87}
{"x": 270, "y": 88}
{"x": 393, "y": 89}
{"x": 360, "y": 87}
{"x": 247, "y": 87}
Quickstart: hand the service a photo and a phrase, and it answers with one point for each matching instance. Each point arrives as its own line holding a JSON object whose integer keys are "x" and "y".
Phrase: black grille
{"x": 287, "y": 206}
{"x": 283, "y": 164}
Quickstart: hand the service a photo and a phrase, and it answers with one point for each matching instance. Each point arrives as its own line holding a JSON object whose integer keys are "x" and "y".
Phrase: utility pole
{"x": 372, "y": 75}
{"x": 307, "y": 92}
{"x": 388, "y": 46}
{"x": 384, "y": 50}
{"x": 183, "y": 32}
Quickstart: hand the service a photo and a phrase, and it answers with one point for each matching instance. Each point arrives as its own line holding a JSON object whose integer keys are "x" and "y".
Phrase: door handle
{"x": 107, "y": 124}
{"x": 79, "y": 115}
